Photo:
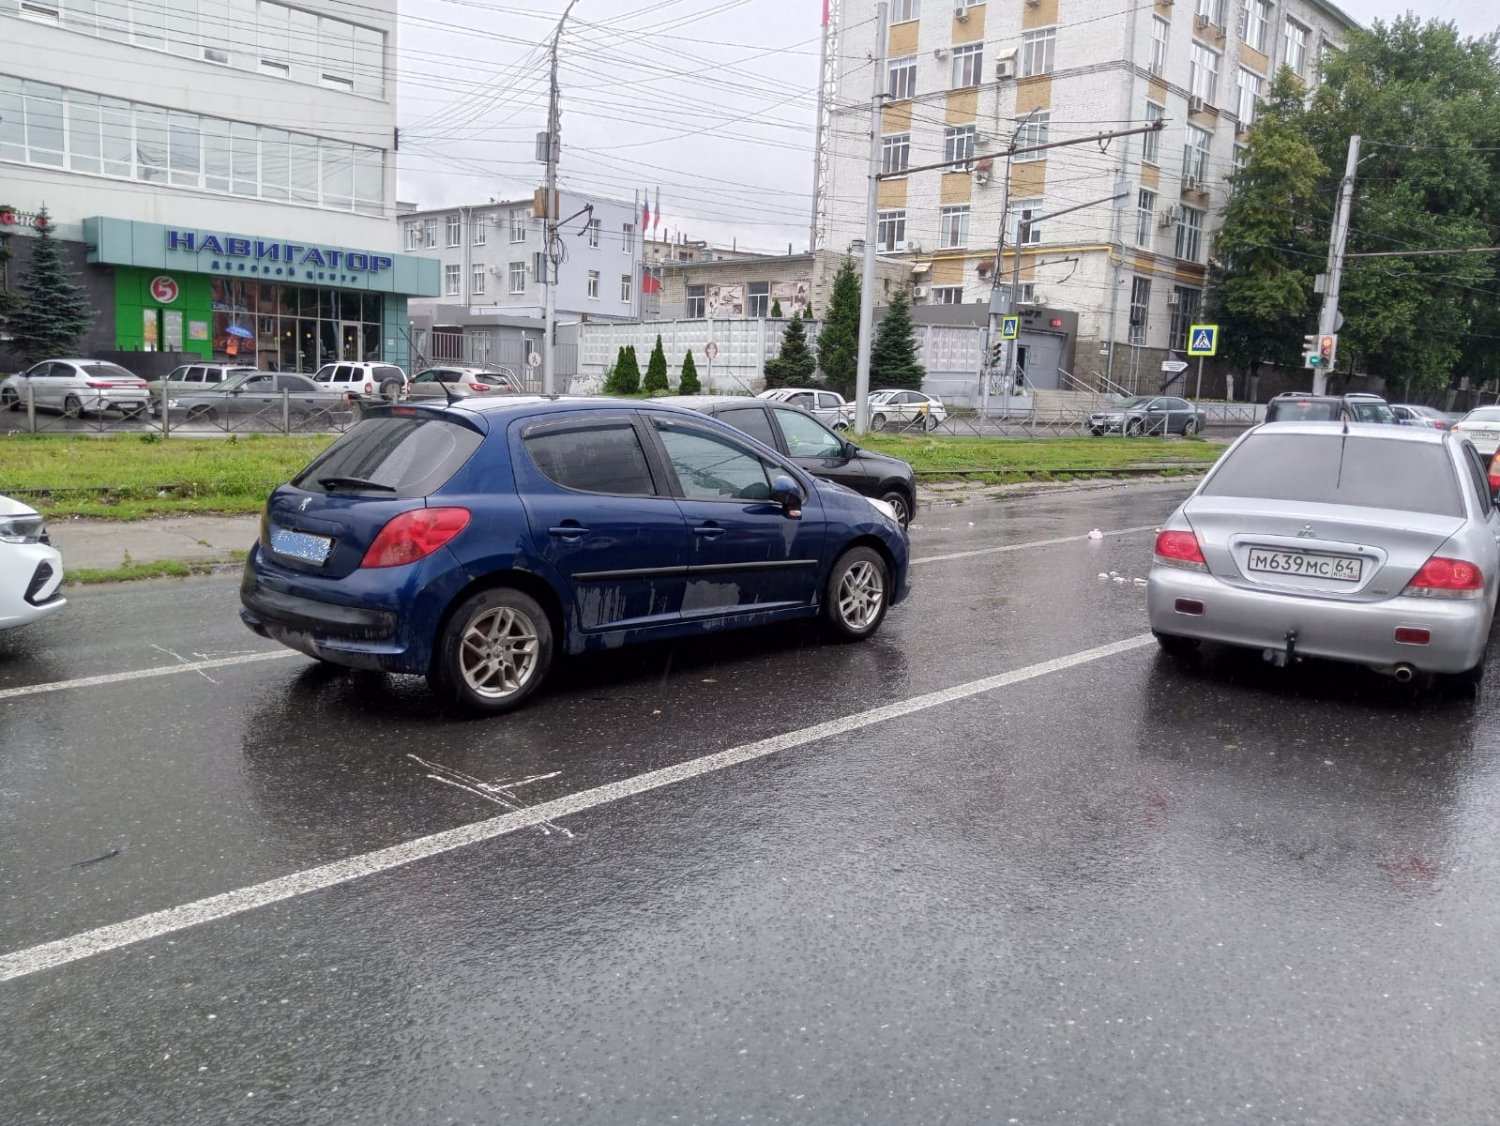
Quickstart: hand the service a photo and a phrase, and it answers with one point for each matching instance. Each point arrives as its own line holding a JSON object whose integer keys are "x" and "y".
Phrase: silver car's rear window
{"x": 1334, "y": 468}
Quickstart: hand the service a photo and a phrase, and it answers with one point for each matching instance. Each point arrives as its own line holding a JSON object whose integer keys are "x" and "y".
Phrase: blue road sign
{"x": 1010, "y": 328}
{"x": 1203, "y": 340}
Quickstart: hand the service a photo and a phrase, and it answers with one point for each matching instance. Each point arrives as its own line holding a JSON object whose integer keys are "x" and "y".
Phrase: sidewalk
{"x": 102, "y": 544}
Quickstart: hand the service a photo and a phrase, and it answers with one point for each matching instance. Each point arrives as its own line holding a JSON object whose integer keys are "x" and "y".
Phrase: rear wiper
{"x": 354, "y": 483}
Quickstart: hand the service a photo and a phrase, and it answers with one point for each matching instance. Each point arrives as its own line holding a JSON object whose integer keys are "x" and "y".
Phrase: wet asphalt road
{"x": 1121, "y": 891}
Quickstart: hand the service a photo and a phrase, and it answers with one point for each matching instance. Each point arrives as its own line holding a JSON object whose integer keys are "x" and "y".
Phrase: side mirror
{"x": 784, "y": 492}
{"x": 850, "y": 449}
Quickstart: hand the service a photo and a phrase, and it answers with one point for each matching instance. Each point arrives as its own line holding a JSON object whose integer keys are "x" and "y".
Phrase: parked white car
{"x": 367, "y": 382}
{"x": 897, "y": 409}
{"x": 77, "y": 387}
{"x": 828, "y": 407}
{"x": 30, "y": 567}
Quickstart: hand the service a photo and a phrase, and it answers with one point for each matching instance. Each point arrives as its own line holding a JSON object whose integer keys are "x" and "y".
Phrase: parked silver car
{"x": 1482, "y": 427}
{"x": 828, "y": 407}
{"x": 1147, "y": 414}
{"x": 462, "y": 381}
{"x": 263, "y": 396}
{"x": 1360, "y": 542}
{"x": 77, "y": 387}
{"x": 195, "y": 377}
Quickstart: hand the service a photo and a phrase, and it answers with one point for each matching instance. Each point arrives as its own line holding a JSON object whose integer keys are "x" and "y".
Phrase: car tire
{"x": 493, "y": 653}
{"x": 1462, "y": 685}
{"x": 898, "y": 500}
{"x": 857, "y": 595}
{"x": 1134, "y": 428}
{"x": 10, "y": 399}
{"x": 877, "y": 422}
{"x": 1174, "y": 646}
{"x": 390, "y": 390}
{"x": 933, "y": 423}
{"x": 206, "y": 415}
{"x": 1190, "y": 427}
{"x": 73, "y": 407}
{"x": 1096, "y": 431}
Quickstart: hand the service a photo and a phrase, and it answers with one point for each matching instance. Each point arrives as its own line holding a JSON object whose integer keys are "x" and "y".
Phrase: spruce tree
{"x": 656, "y": 371}
{"x": 625, "y": 377}
{"x": 688, "y": 383}
{"x": 54, "y": 311}
{"x": 776, "y": 308}
{"x": 838, "y": 343}
{"x": 795, "y": 363}
{"x": 893, "y": 356}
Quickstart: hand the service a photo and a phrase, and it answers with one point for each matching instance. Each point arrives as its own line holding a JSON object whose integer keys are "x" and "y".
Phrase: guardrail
{"x": 285, "y": 413}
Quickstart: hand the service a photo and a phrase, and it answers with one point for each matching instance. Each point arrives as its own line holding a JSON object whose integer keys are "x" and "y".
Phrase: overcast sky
{"x": 711, "y": 102}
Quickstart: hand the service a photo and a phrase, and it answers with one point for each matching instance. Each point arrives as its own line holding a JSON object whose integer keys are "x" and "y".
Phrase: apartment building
{"x": 963, "y": 78}
{"x": 221, "y": 173}
{"x": 491, "y": 259}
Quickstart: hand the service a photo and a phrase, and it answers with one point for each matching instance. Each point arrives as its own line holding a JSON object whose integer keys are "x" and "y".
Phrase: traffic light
{"x": 1326, "y": 346}
{"x": 997, "y": 353}
{"x": 1318, "y": 351}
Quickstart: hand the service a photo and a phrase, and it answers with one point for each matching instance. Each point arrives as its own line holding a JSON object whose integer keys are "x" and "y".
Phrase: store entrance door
{"x": 350, "y": 341}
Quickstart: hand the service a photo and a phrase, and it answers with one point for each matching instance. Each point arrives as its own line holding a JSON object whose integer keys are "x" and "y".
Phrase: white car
{"x": 30, "y": 568}
{"x": 900, "y": 410}
{"x": 366, "y": 382}
{"x": 828, "y": 407}
{"x": 1482, "y": 427}
{"x": 77, "y": 387}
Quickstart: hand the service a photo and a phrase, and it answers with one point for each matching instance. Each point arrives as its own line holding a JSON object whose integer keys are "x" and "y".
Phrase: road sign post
{"x": 1203, "y": 340}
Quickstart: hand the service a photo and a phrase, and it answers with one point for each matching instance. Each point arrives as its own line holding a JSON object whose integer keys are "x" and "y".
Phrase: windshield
{"x": 1135, "y": 401}
{"x": 1303, "y": 410}
{"x": 107, "y": 371}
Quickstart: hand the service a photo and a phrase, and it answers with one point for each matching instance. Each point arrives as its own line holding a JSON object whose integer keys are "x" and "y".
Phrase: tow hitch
{"x": 1285, "y": 655}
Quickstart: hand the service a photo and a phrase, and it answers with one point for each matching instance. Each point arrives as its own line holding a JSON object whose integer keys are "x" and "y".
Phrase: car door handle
{"x": 708, "y": 531}
{"x": 568, "y": 531}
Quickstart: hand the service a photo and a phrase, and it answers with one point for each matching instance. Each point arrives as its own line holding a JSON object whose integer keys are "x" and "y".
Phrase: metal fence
{"x": 277, "y": 414}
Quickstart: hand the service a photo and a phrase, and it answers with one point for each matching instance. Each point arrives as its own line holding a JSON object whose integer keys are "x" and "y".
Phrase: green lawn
{"x": 130, "y": 478}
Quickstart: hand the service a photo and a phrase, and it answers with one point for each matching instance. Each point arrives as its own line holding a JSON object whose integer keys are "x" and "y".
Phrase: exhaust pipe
{"x": 1404, "y": 674}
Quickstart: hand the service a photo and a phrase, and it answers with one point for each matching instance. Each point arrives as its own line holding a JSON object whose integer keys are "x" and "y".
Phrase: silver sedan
{"x": 1363, "y": 543}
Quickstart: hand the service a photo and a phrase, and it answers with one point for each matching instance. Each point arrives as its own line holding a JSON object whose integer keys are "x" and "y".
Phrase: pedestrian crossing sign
{"x": 1203, "y": 340}
{"x": 1010, "y": 328}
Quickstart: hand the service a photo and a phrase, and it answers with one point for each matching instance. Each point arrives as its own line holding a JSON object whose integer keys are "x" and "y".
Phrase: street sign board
{"x": 533, "y": 360}
{"x": 1172, "y": 367}
{"x": 1203, "y": 340}
{"x": 1010, "y": 328}
{"x": 710, "y": 349}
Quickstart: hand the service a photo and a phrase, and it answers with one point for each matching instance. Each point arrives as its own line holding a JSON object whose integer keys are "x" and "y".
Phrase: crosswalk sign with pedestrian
{"x": 1203, "y": 340}
{"x": 1010, "y": 328}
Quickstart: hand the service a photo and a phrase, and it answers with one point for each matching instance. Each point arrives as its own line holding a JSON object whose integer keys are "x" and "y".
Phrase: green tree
{"x": 625, "y": 377}
{"x": 893, "y": 355}
{"x": 687, "y": 383}
{"x": 807, "y": 313}
{"x": 54, "y": 311}
{"x": 656, "y": 371}
{"x": 838, "y": 343}
{"x": 776, "y": 307}
{"x": 794, "y": 364}
{"x": 1266, "y": 251}
{"x": 9, "y": 301}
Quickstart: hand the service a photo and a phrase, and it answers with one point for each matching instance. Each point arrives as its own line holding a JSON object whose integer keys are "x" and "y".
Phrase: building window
{"x": 452, "y": 279}
{"x": 627, "y": 238}
{"x": 759, "y": 294}
{"x": 1241, "y": 157}
{"x": 413, "y": 236}
{"x": 455, "y": 230}
{"x": 954, "y": 227}
{"x": 1249, "y": 97}
{"x": 44, "y": 11}
{"x": 903, "y": 78}
{"x": 1190, "y": 234}
{"x": 1037, "y": 49}
{"x": 1026, "y": 232}
{"x": 890, "y": 230}
{"x": 1204, "y": 80}
{"x": 593, "y": 285}
{"x": 1195, "y": 155}
{"x": 1184, "y": 313}
{"x": 1034, "y": 132}
{"x": 697, "y": 299}
{"x": 1145, "y": 218}
{"x": 476, "y": 284}
{"x": 539, "y": 267}
{"x": 1212, "y": 11}
{"x": 968, "y": 65}
{"x": 1255, "y": 17}
{"x": 1159, "y": 30}
{"x": 518, "y": 277}
{"x": 958, "y": 147}
{"x": 1295, "y": 39}
{"x": 429, "y": 232}
{"x": 626, "y": 288}
{"x": 1151, "y": 142}
{"x": 895, "y": 153}
{"x": 478, "y": 223}
{"x": 947, "y": 295}
{"x": 594, "y": 228}
{"x": 518, "y": 226}
{"x": 1140, "y": 310}
{"x": 903, "y": 10}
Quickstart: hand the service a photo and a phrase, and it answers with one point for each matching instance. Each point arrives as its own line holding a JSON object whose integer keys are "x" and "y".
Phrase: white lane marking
{"x": 145, "y": 674}
{"x": 63, "y": 951}
{"x": 1080, "y": 538}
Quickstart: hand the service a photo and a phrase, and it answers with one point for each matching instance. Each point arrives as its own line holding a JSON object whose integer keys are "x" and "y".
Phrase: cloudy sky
{"x": 710, "y": 102}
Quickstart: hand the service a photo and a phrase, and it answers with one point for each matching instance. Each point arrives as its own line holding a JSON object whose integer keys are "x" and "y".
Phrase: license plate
{"x": 300, "y": 545}
{"x": 1309, "y": 564}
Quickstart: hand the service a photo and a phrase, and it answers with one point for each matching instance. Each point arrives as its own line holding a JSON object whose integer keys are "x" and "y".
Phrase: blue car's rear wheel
{"x": 858, "y": 594}
{"x": 493, "y": 653}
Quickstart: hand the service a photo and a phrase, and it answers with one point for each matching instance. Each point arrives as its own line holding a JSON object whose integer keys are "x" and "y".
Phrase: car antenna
{"x": 447, "y": 393}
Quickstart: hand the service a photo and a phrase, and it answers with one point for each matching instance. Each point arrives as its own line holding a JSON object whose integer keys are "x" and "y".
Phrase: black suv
{"x": 796, "y": 434}
{"x": 1294, "y": 406}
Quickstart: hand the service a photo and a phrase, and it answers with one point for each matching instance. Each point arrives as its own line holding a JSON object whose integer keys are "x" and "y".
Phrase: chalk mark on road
{"x": 181, "y": 660}
{"x": 500, "y": 791}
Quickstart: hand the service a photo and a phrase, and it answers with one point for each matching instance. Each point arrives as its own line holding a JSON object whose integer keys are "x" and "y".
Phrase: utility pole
{"x": 872, "y": 205}
{"x": 989, "y": 321}
{"x": 828, "y": 88}
{"x": 551, "y": 255}
{"x": 1328, "y": 320}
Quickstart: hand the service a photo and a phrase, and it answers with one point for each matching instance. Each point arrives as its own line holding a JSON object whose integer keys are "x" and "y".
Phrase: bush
{"x": 656, "y": 371}
{"x": 625, "y": 378}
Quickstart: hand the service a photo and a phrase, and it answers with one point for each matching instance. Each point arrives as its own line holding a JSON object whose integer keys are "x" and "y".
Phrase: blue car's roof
{"x": 494, "y": 408}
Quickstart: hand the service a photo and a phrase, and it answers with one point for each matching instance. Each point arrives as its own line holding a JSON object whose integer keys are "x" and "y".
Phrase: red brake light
{"x": 415, "y": 535}
{"x": 1494, "y": 473}
{"x": 479, "y": 387}
{"x": 1447, "y": 578}
{"x": 1179, "y": 547}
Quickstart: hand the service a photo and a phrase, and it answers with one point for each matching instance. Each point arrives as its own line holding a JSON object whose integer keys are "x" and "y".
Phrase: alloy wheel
{"x": 861, "y": 594}
{"x": 498, "y": 653}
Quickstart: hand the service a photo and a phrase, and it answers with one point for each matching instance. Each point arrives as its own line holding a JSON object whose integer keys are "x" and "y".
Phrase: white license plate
{"x": 1309, "y": 564}
{"x": 300, "y": 545}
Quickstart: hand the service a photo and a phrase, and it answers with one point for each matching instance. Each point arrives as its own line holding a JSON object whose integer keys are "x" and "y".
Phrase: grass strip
{"x": 156, "y": 569}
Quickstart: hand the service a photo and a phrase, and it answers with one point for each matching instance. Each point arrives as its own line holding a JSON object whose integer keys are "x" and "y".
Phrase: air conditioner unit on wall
{"x": 940, "y": 52}
{"x": 911, "y": 246}
{"x": 1189, "y": 184}
{"x": 1200, "y": 21}
{"x": 961, "y": 10}
{"x": 1167, "y": 218}
{"x": 1005, "y": 68}
{"x": 919, "y": 291}
{"x": 1196, "y": 104}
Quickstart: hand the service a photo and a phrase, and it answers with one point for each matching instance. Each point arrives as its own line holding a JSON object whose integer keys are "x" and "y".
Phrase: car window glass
{"x": 180, "y": 373}
{"x": 56, "y": 371}
{"x": 710, "y": 467}
{"x": 1483, "y": 414}
{"x": 597, "y": 457}
{"x": 1334, "y": 468}
{"x": 1369, "y": 410}
{"x": 802, "y": 400}
{"x": 1481, "y": 477}
{"x": 325, "y": 373}
{"x": 104, "y": 371}
{"x": 1302, "y": 410}
{"x": 428, "y": 376}
{"x": 752, "y": 420}
{"x": 806, "y": 437}
{"x": 826, "y": 401}
{"x": 412, "y": 455}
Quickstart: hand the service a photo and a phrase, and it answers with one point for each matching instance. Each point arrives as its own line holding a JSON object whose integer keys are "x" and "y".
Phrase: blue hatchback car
{"x": 470, "y": 542}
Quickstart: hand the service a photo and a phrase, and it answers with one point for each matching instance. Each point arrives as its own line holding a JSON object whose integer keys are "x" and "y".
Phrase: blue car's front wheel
{"x": 858, "y": 593}
{"x": 493, "y": 653}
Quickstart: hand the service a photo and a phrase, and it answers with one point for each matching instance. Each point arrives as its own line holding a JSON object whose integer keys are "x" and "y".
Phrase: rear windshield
{"x": 1337, "y": 469}
{"x": 107, "y": 371}
{"x": 412, "y": 455}
{"x": 1303, "y": 410}
{"x": 1369, "y": 410}
{"x": 1483, "y": 414}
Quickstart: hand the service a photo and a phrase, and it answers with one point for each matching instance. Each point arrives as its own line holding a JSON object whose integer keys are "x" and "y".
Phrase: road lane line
{"x": 144, "y": 674}
{"x": 1081, "y": 537}
{"x": 63, "y": 951}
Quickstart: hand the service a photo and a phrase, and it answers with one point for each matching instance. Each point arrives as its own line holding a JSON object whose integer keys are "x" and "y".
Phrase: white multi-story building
{"x": 221, "y": 172}
{"x": 963, "y": 77}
